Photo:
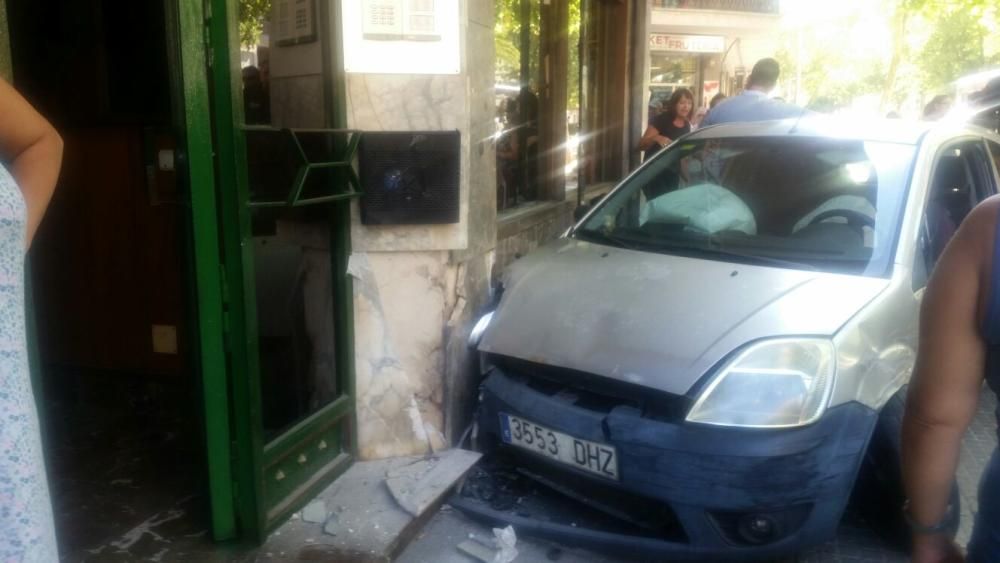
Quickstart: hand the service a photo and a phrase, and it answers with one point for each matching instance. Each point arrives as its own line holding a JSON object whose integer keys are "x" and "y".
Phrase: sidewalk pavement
{"x": 359, "y": 519}
{"x": 367, "y": 515}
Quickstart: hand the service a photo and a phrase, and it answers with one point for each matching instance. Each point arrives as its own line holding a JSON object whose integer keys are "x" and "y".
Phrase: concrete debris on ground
{"x": 315, "y": 512}
{"x": 373, "y": 510}
{"x": 419, "y": 485}
{"x": 478, "y": 551}
{"x": 332, "y": 524}
{"x": 506, "y": 541}
{"x": 498, "y": 549}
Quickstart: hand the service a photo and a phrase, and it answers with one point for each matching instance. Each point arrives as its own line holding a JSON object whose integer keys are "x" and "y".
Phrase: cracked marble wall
{"x": 402, "y": 301}
{"x": 461, "y": 368}
{"x": 416, "y": 287}
{"x": 389, "y": 102}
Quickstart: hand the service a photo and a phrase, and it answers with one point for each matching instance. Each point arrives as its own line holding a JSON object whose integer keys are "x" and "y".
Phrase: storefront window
{"x": 669, "y": 72}
{"x": 521, "y": 111}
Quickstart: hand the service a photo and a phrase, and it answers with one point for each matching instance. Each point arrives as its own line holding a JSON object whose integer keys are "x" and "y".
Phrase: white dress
{"x": 26, "y": 528}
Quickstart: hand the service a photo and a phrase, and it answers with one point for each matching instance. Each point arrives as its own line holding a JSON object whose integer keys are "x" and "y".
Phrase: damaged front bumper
{"x": 720, "y": 493}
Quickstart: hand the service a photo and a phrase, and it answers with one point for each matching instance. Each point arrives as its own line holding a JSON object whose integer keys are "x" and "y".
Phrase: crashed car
{"x": 726, "y": 338}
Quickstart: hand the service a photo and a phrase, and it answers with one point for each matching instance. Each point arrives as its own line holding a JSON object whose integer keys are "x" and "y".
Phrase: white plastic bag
{"x": 505, "y": 539}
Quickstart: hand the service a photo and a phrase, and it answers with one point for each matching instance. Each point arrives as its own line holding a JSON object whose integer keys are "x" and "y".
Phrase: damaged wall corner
{"x": 399, "y": 352}
{"x": 461, "y": 368}
{"x": 472, "y": 287}
{"x": 417, "y": 287}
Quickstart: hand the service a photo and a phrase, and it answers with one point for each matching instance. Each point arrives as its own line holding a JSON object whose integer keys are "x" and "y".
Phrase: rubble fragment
{"x": 478, "y": 551}
{"x": 506, "y": 541}
{"x": 419, "y": 485}
{"x": 332, "y": 525}
{"x": 315, "y": 512}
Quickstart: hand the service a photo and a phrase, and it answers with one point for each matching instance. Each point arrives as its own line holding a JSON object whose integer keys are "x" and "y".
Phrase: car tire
{"x": 878, "y": 491}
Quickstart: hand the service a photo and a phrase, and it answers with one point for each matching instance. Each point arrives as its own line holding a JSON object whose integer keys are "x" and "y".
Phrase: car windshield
{"x": 825, "y": 204}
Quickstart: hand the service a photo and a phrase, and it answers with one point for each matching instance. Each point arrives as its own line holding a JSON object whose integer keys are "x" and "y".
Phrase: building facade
{"x": 303, "y": 234}
{"x": 708, "y": 46}
{"x": 295, "y": 240}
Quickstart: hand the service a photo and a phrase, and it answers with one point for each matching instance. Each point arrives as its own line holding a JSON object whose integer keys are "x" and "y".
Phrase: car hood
{"x": 658, "y": 320}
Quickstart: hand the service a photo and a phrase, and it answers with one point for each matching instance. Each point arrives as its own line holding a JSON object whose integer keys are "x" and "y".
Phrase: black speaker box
{"x": 410, "y": 178}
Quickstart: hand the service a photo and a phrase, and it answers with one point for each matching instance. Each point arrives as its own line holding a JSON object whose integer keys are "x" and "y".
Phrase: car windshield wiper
{"x": 714, "y": 247}
{"x": 759, "y": 258}
{"x": 605, "y": 237}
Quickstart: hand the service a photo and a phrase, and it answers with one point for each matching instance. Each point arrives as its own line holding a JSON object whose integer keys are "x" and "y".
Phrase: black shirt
{"x": 665, "y": 125}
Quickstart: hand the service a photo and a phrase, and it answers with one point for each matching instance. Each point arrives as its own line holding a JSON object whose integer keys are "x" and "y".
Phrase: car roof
{"x": 883, "y": 130}
{"x": 985, "y": 105}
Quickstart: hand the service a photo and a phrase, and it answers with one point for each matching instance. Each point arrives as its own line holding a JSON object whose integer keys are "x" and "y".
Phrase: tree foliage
{"x": 930, "y": 44}
{"x": 507, "y": 44}
{"x": 955, "y": 48}
{"x": 575, "y": 27}
{"x": 507, "y": 41}
{"x": 252, "y": 14}
{"x": 833, "y": 68}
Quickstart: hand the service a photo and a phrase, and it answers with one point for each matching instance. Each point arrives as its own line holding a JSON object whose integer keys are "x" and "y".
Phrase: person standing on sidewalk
{"x": 753, "y": 104}
{"x": 666, "y": 127}
{"x": 31, "y": 154}
{"x": 959, "y": 347}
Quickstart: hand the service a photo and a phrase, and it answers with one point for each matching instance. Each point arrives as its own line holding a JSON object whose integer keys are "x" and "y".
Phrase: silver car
{"x": 728, "y": 335}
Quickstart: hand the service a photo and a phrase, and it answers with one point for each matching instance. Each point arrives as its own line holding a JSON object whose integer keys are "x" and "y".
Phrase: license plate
{"x": 594, "y": 457}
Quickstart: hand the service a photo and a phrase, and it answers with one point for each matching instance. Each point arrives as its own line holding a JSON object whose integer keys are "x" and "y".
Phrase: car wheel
{"x": 878, "y": 492}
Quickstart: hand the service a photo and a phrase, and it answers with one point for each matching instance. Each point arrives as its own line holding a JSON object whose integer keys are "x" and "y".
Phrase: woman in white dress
{"x": 30, "y": 154}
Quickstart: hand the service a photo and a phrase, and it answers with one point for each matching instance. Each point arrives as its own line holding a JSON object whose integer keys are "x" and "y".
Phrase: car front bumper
{"x": 709, "y": 477}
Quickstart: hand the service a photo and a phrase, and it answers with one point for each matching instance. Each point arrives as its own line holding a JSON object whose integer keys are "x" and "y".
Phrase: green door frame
{"x": 188, "y": 56}
{"x": 253, "y": 486}
{"x": 273, "y": 479}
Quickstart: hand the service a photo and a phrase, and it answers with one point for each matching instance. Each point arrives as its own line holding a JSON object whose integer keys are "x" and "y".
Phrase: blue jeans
{"x": 984, "y": 546}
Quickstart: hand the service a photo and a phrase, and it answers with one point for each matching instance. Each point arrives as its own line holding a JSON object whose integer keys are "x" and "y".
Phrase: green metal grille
{"x": 346, "y": 140}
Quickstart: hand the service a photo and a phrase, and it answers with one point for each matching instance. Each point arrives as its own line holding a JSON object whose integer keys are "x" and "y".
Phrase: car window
{"x": 994, "y": 153}
{"x": 961, "y": 177}
{"x": 799, "y": 202}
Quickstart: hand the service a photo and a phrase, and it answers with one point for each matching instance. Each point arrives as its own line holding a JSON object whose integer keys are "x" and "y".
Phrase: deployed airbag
{"x": 706, "y": 208}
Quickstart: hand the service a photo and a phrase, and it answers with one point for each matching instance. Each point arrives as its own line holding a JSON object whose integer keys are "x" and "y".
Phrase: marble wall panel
{"x": 377, "y": 102}
{"x": 401, "y": 306}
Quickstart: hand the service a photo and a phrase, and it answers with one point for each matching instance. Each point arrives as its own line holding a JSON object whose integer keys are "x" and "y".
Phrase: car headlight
{"x": 772, "y": 384}
{"x": 478, "y": 329}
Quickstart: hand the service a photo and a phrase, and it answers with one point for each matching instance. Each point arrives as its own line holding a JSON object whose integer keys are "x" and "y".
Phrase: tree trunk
{"x": 898, "y": 48}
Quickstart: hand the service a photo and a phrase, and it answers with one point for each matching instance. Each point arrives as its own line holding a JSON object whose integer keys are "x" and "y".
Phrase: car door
{"x": 963, "y": 174}
{"x": 993, "y": 146}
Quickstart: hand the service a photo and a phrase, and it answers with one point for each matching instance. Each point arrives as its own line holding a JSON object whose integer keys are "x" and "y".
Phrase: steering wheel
{"x": 854, "y": 218}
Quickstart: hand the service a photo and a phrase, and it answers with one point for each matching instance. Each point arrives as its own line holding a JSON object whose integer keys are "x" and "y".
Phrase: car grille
{"x": 594, "y": 392}
{"x": 528, "y": 487}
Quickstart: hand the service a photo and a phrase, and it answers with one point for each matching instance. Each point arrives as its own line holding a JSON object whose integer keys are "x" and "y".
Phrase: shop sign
{"x": 687, "y": 43}
{"x": 756, "y": 6}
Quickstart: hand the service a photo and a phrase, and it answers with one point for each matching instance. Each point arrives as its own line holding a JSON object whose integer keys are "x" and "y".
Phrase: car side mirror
{"x": 580, "y": 211}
